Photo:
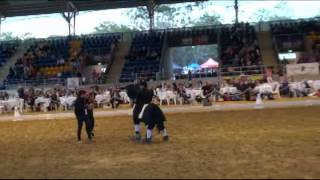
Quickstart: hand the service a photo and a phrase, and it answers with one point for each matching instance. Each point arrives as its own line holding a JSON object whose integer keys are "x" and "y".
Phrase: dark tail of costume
{"x": 154, "y": 116}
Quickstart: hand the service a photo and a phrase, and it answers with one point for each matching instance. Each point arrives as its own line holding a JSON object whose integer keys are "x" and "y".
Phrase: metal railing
{"x": 156, "y": 76}
{"x": 35, "y": 82}
{"x": 224, "y": 71}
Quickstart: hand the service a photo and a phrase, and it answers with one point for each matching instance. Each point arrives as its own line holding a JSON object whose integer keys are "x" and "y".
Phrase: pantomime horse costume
{"x": 145, "y": 111}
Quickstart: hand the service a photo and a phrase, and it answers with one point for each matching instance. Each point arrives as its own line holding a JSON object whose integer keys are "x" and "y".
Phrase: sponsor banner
{"x": 195, "y": 40}
{"x": 187, "y": 41}
{"x": 200, "y": 40}
{"x": 73, "y": 83}
{"x": 303, "y": 69}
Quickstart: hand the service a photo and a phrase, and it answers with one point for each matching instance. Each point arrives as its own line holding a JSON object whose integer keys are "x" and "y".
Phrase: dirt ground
{"x": 269, "y": 143}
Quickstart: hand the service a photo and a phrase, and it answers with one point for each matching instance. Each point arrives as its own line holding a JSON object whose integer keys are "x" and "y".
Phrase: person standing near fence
{"x": 81, "y": 112}
{"x": 189, "y": 76}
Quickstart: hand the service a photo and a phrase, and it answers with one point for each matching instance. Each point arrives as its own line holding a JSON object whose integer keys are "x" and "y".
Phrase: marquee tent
{"x": 210, "y": 64}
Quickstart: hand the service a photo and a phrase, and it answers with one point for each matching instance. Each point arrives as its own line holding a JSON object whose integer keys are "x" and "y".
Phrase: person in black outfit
{"x": 21, "y": 92}
{"x": 115, "y": 98}
{"x": 244, "y": 88}
{"x": 207, "y": 91}
{"x": 90, "y": 107}
{"x": 189, "y": 76}
{"x": 80, "y": 110}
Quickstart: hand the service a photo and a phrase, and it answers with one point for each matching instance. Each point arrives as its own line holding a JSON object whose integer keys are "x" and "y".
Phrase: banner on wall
{"x": 73, "y": 83}
{"x": 195, "y": 40}
{"x": 303, "y": 69}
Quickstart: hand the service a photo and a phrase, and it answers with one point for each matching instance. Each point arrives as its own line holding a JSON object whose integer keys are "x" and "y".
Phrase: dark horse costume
{"x": 145, "y": 111}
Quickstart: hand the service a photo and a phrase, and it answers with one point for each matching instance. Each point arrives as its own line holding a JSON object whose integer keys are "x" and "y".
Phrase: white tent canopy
{"x": 210, "y": 64}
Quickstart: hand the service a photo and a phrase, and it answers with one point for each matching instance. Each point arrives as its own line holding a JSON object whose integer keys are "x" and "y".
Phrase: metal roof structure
{"x": 11, "y": 8}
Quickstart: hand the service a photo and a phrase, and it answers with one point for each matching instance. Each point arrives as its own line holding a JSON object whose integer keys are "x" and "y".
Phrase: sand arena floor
{"x": 232, "y": 140}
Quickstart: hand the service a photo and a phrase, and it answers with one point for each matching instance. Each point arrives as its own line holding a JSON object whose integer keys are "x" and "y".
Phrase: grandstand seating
{"x": 290, "y": 36}
{"x": 62, "y": 57}
{"x": 295, "y": 27}
{"x": 100, "y": 45}
{"x": 6, "y": 51}
{"x": 239, "y": 46}
{"x": 59, "y": 58}
{"x": 144, "y": 57}
{"x": 40, "y": 61}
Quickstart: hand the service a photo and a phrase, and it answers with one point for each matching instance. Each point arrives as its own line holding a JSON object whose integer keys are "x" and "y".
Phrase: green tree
{"x": 108, "y": 27}
{"x": 139, "y": 17}
{"x": 8, "y": 36}
{"x": 166, "y": 17}
{"x": 281, "y": 11}
{"x": 207, "y": 19}
{"x": 172, "y": 16}
{"x": 27, "y": 35}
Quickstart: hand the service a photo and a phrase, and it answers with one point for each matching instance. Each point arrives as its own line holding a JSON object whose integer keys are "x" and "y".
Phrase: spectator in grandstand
{"x": 95, "y": 76}
{"x": 60, "y": 61}
{"x": 239, "y": 46}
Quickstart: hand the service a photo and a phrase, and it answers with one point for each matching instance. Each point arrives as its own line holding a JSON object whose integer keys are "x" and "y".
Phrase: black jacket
{"x": 80, "y": 107}
{"x": 144, "y": 97}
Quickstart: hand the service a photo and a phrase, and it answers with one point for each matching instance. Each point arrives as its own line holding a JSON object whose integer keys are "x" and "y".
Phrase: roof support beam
{"x": 151, "y": 8}
{"x": 70, "y": 15}
{"x": 12, "y": 8}
{"x": 2, "y": 18}
{"x": 236, "y": 9}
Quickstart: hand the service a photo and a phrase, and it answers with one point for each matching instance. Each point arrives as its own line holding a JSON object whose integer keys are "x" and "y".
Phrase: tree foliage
{"x": 167, "y": 16}
{"x": 9, "y": 36}
{"x": 139, "y": 17}
{"x": 264, "y": 14}
{"x": 109, "y": 27}
{"x": 207, "y": 19}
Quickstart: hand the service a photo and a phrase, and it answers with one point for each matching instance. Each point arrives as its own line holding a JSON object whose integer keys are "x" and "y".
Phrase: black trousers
{"x": 159, "y": 124}
{"x": 82, "y": 120}
{"x": 153, "y": 116}
{"x": 135, "y": 114}
{"x": 115, "y": 103}
{"x": 91, "y": 120}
